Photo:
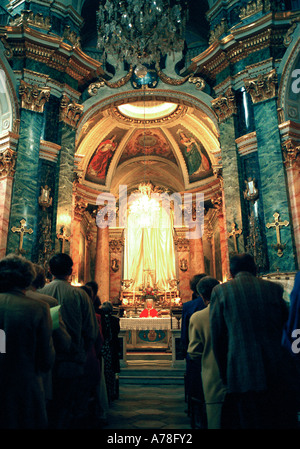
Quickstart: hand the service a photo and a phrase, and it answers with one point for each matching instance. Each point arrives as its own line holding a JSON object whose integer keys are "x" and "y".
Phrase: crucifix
{"x": 22, "y": 230}
{"x": 234, "y": 232}
{"x": 277, "y": 224}
{"x": 63, "y": 237}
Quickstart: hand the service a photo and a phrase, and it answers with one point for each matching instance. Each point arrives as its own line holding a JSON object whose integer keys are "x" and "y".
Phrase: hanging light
{"x": 141, "y": 31}
{"x": 144, "y": 208}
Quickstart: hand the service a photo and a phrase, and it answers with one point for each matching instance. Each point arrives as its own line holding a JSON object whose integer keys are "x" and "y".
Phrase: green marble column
{"x": 273, "y": 184}
{"x": 231, "y": 180}
{"x": 26, "y": 185}
{"x": 64, "y": 184}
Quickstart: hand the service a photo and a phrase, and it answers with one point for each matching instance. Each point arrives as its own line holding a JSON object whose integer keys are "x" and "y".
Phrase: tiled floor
{"x": 149, "y": 407}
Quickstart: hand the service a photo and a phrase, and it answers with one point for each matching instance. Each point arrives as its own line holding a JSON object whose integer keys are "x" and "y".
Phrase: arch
{"x": 100, "y": 121}
{"x": 289, "y": 88}
{"x": 9, "y": 108}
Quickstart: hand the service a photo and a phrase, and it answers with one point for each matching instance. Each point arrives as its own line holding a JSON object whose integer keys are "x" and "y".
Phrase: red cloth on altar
{"x": 145, "y": 313}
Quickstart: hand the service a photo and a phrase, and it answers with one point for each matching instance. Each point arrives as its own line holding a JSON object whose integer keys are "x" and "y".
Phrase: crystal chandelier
{"x": 144, "y": 208}
{"x": 141, "y": 31}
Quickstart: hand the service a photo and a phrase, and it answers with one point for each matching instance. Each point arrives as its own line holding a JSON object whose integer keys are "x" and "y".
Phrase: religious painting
{"x": 101, "y": 159}
{"x": 195, "y": 156}
{"x": 149, "y": 142}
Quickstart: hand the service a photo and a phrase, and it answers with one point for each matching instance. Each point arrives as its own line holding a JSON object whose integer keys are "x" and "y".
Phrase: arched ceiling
{"x": 148, "y": 144}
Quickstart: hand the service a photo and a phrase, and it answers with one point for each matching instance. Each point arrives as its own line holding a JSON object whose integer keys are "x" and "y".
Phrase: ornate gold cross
{"x": 277, "y": 224}
{"x": 22, "y": 230}
{"x": 234, "y": 232}
{"x": 63, "y": 237}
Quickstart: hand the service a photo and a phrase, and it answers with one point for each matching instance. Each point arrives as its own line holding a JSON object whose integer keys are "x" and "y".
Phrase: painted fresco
{"x": 149, "y": 142}
{"x": 101, "y": 159}
{"x": 195, "y": 156}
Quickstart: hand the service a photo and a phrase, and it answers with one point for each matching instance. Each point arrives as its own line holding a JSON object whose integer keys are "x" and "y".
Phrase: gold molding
{"x": 70, "y": 112}
{"x": 8, "y": 159}
{"x": 33, "y": 97}
{"x": 225, "y": 105}
{"x": 290, "y": 153}
{"x": 28, "y": 17}
{"x": 263, "y": 87}
{"x": 79, "y": 207}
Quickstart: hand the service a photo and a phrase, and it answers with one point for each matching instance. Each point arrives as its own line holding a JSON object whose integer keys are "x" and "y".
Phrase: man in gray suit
{"x": 247, "y": 315}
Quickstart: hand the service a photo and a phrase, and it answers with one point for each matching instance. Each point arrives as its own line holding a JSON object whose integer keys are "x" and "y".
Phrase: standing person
{"x": 291, "y": 332}
{"x": 61, "y": 338}
{"x": 29, "y": 348}
{"x": 293, "y": 322}
{"x": 111, "y": 329}
{"x": 200, "y": 349}
{"x": 95, "y": 298}
{"x": 188, "y": 308}
{"x": 79, "y": 317}
{"x": 247, "y": 316}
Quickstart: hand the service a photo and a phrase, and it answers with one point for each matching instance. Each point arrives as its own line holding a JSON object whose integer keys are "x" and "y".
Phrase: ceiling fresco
{"x": 149, "y": 142}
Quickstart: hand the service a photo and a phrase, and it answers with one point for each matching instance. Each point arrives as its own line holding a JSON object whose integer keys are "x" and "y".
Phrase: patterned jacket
{"x": 247, "y": 315}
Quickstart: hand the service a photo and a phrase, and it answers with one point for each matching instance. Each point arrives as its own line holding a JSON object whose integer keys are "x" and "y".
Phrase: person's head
{"x": 40, "y": 279}
{"x": 194, "y": 281}
{"x": 61, "y": 265}
{"x": 15, "y": 272}
{"x": 149, "y": 303}
{"x": 94, "y": 286}
{"x": 242, "y": 262}
{"x": 107, "y": 307}
{"x": 205, "y": 287}
{"x": 88, "y": 290}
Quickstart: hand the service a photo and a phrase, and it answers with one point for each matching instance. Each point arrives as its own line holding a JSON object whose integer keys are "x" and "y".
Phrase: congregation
{"x": 240, "y": 335}
{"x": 61, "y": 359}
{"x": 61, "y": 356}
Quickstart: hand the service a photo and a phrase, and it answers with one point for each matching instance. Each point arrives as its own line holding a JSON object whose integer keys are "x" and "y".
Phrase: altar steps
{"x": 151, "y": 369}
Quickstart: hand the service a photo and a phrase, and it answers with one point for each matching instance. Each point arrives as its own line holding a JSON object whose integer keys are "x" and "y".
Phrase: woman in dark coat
{"x": 29, "y": 351}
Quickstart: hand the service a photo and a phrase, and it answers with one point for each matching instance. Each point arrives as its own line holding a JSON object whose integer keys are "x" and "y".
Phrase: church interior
{"x": 151, "y": 145}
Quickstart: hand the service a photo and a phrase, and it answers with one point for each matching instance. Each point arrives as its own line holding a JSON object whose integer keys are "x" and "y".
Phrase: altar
{"x": 148, "y": 333}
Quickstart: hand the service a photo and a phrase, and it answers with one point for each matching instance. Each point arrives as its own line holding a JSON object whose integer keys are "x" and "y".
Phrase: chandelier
{"x": 144, "y": 208}
{"x": 141, "y": 31}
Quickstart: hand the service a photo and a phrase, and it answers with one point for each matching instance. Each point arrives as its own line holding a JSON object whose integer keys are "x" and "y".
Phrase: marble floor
{"x": 149, "y": 407}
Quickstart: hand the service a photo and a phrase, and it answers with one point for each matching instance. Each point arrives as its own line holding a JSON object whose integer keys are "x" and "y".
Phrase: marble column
{"x": 184, "y": 276}
{"x": 218, "y": 202}
{"x": 102, "y": 263}
{"x": 225, "y": 108}
{"x": 69, "y": 116}
{"x": 79, "y": 208}
{"x": 64, "y": 184}
{"x": 291, "y": 154}
{"x": 7, "y": 164}
{"x": 273, "y": 183}
{"x": 196, "y": 257}
{"x": 116, "y": 246}
{"x": 26, "y": 188}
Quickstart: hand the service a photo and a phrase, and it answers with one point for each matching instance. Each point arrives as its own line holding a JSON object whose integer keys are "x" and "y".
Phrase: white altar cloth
{"x": 148, "y": 323}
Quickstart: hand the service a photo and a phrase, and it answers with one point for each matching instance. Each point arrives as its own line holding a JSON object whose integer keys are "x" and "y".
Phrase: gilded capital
{"x": 70, "y": 112}
{"x": 33, "y": 97}
{"x": 79, "y": 208}
{"x": 182, "y": 244}
{"x": 116, "y": 245}
{"x": 290, "y": 153}
{"x": 263, "y": 87}
{"x": 225, "y": 105}
{"x": 217, "y": 201}
{"x": 7, "y": 163}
